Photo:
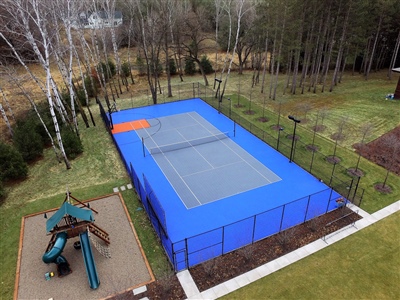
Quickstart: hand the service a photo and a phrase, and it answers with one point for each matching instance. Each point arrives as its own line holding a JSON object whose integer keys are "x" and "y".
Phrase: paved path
{"x": 231, "y": 285}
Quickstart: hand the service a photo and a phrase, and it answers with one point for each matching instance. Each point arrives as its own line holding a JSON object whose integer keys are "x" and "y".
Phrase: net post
{"x": 144, "y": 153}
{"x": 234, "y": 129}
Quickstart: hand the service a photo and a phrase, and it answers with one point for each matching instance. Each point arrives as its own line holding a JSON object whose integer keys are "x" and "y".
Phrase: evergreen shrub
{"x": 71, "y": 142}
{"x": 27, "y": 140}
{"x": 12, "y": 165}
{"x": 190, "y": 67}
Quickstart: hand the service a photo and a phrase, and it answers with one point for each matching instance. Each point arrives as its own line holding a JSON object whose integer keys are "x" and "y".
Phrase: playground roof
{"x": 68, "y": 209}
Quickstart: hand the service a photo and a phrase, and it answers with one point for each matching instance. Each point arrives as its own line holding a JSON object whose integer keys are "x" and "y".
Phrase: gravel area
{"x": 126, "y": 269}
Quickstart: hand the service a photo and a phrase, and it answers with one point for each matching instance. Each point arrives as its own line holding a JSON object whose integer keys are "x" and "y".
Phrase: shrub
{"x": 112, "y": 68}
{"x": 206, "y": 65}
{"x": 125, "y": 69}
{"x": 44, "y": 111}
{"x": 80, "y": 94}
{"x": 172, "y": 67}
{"x": 102, "y": 68}
{"x": 91, "y": 90}
{"x": 190, "y": 67}
{"x": 12, "y": 165}
{"x": 27, "y": 141}
{"x": 71, "y": 142}
{"x": 159, "y": 68}
{"x": 141, "y": 66}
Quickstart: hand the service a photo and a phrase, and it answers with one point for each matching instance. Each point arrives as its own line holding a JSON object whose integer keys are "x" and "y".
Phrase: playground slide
{"x": 58, "y": 247}
{"x": 90, "y": 265}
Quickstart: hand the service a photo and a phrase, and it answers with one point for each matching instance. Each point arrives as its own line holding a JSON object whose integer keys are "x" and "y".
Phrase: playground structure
{"x": 71, "y": 221}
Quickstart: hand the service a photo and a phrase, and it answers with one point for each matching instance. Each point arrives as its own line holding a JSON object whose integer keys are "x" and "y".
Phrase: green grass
{"x": 95, "y": 173}
{"x": 372, "y": 200}
{"x": 365, "y": 265}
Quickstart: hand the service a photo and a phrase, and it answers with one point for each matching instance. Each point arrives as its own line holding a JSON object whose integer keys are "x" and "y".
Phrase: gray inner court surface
{"x": 202, "y": 163}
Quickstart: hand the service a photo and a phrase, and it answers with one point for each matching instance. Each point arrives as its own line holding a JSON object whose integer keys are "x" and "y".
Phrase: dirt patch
{"x": 382, "y": 152}
{"x": 230, "y": 265}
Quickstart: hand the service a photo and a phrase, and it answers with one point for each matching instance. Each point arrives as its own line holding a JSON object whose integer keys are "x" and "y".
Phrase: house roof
{"x": 104, "y": 15}
{"x": 68, "y": 209}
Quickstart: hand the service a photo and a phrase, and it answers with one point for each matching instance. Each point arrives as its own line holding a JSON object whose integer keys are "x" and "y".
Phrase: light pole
{"x": 294, "y": 134}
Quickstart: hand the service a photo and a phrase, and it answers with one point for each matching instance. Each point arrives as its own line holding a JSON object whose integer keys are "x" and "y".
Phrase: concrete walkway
{"x": 231, "y": 285}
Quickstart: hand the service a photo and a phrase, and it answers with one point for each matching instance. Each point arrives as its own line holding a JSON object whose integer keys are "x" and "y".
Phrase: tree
{"x": 72, "y": 143}
{"x": 338, "y": 136}
{"x": 195, "y": 37}
{"x": 27, "y": 14}
{"x": 150, "y": 40}
{"x": 12, "y": 165}
{"x": 365, "y": 130}
{"x": 206, "y": 65}
{"x": 190, "y": 67}
{"x": 28, "y": 142}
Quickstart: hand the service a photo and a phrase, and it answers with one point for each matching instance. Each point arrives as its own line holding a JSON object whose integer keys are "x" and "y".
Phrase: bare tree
{"x": 27, "y": 14}
{"x": 390, "y": 158}
{"x": 338, "y": 136}
{"x": 365, "y": 130}
{"x": 195, "y": 37}
{"x": 4, "y": 115}
{"x": 151, "y": 38}
{"x": 240, "y": 12}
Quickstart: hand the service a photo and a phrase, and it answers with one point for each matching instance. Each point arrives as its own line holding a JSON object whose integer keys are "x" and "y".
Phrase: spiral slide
{"x": 90, "y": 265}
{"x": 52, "y": 256}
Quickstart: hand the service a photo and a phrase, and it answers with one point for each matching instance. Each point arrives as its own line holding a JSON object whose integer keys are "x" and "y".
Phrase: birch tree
{"x": 29, "y": 13}
{"x": 3, "y": 112}
{"x": 240, "y": 12}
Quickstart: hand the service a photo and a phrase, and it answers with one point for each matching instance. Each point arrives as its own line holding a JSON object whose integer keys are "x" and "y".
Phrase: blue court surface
{"x": 210, "y": 186}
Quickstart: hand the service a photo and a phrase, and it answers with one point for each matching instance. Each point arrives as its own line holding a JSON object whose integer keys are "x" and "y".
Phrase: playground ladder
{"x": 100, "y": 233}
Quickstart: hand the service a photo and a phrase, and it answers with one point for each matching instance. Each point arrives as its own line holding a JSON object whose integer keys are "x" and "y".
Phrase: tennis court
{"x": 208, "y": 185}
{"x": 193, "y": 154}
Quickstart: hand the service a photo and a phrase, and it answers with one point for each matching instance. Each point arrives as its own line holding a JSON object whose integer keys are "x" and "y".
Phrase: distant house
{"x": 101, "y": 19}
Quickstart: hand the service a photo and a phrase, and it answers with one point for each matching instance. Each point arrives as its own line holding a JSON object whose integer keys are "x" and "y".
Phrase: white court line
{"x": 193, "y": 116}
{"x": 237, "y": 154}
{"x": 162, "y": 171}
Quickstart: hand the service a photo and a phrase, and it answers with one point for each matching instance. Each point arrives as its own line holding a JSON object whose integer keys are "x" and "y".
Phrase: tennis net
{"x": 189, "y": 143}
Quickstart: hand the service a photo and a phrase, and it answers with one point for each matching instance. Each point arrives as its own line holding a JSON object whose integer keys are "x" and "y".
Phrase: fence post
{"x": 329, "y": 200}
{"x": 111, "y": 121}
{"x": 333, "y": 171}
{"x": 355, "y": 190}
{"x": 312, "y": 160}
{"x": 223, "y": 239}
{"x": 254, "y": 229}
{"x": 186, "y": 254}
{"x": 283, "y": 213}
{"x": 308, "y": 204}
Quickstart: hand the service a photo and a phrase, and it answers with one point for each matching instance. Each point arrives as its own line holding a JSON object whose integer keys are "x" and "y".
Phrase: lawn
{"x": 95, "y": 173}
{"x": 365, "y": 265}
{"x": 99, "y": 168}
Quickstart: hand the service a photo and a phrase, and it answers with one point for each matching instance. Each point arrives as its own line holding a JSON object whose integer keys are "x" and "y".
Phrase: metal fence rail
{"x": 199, "y": 248}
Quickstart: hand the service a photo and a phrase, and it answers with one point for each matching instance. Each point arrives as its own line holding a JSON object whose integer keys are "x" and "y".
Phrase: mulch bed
{"x": 379, "y": 152}
{"x": 230, "y": 265}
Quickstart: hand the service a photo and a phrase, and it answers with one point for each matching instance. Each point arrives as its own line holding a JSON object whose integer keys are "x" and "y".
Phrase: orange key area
{"x": 128, "y": 126}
